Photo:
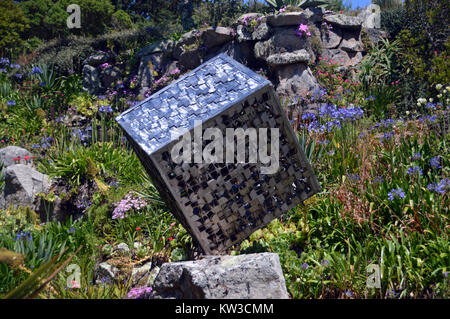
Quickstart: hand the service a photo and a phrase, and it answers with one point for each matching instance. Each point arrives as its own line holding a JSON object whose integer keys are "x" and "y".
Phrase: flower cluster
{"x": 129, "y": 202}
{"x": 303, "y": 30}
{"x": 139, "y": 293}
{"x": 414, "y": 170}
{"x": 330, "y": 118}
{"x": 441, "y": 187}
{"x": 396, "y": 192}
{"x": 105, "y": 109}
{"x": 24, "y": 235}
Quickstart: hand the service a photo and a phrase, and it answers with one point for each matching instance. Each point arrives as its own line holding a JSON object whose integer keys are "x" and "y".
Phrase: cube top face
{"x": 221, "y": 202}
{"x": 197, "y": 96}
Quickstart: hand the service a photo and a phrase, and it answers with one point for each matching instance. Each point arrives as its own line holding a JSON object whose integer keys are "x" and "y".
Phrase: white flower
{"x": 439, "y": 96}
{"x": 445, "y": 91}
{"x": 447, "y": 88}
{"x": 422, "y": 100}
{"x": 438, "y": 87}
{"x": 418, "y": 104}
{"x": 431, "y": 100}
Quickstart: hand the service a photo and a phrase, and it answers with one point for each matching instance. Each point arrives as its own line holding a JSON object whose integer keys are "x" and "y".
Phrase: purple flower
{"x": 435, "y": 162}
{"x": 18, "y": 75}
{"x": 414, "y": 170}
{"x": 128, "y": 203}
{"x": 416, "y": 157}
{"x": 396, "y": 192}
{"x": 440, "y": 187}
{"x": 139, "y": 293}
{"x": 305, "y": 266}
{"x": 105, "y": 109}
{"x": 36, "y": 70}
{"x": 308, "y": 117}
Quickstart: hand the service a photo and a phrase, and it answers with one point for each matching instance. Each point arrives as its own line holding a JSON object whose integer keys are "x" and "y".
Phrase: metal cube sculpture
{"x": 220, "y": 204}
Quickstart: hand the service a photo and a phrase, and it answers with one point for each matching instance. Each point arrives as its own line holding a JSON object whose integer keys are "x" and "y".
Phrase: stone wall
{"x": 270, "y": 43}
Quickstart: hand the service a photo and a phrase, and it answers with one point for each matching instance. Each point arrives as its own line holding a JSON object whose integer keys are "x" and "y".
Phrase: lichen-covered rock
{"x": 351, "y": 41}
{"x": 10, "y": 153}
{"x": 298, "y": 56}
{"x": 344, "y": 21}
{"x": 91, "y": 79}
{"x": 283, "y": 40}
{"x": 344, "y": 58}
{"x": 289, "y": 18}
{"x": 96, "y": 59}
{"x": 22, "y": 183}
{"x": 331, "y": 38}
{"x": 122, "y": 248}
{"x": 262, "y": 32}
{"x": 109, "y": 75}
{"x": 140, "y": 275}
{"x": 295, "y": 79}
{"x": 105, "y": 273}
{"x": 213, "y": 37}
{"x": 371, "y": 16}
{"x": 243, "y": 34}
{"x": 222, "y": 277}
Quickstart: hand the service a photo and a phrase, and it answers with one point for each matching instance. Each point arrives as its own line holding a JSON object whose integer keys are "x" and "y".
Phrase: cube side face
{"x": 222, "y": 203}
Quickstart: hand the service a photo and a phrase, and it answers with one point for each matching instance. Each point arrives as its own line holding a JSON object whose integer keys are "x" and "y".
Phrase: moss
{"x": 316, "y": 46}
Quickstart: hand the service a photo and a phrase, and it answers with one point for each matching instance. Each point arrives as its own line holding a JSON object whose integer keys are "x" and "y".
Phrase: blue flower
{"x": 105, "y": 109}
{"x": 435, "y": 162}
{"x": 325, "y": 262}
{"x": 4, "y": 61}
{"x": 308, "y": 117}
{"x": 353, "y": 177}
{"x": 18, "y": 75}
{"x": 398, "y": 192}
{"x": 348, "y": 293}
{"x": 36, "y": 70}
{"x": 414, "y": 170}
{"x": 305, "y": 266}
{"x": 378, "y": 179}
{"x": 370, "y": 98}
{"x": 430, "y": 106}
{"x": 11, "y": 102}
{"x": 440, "y": 187}
{"x": 416, "y": 157}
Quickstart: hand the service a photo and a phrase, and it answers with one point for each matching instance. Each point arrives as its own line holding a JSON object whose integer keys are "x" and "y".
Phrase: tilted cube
{"x": 220, "y": 202}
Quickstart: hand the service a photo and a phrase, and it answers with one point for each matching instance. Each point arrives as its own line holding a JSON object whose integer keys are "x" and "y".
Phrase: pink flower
{"x": 303, "y": 28}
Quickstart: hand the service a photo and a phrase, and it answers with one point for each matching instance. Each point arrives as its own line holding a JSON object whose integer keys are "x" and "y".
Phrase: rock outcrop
{"x": 253, "y": 276}
{"x": 22, "y": 184}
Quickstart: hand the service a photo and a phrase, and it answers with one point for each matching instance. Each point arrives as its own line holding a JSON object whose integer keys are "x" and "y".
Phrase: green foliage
{"x": 47, "y": 18}
{"x": 121, "y": 20}
{"x": 394, "y": 20}
{"x": 13, "y": 23}
{"x": 388, "y": 4}
{"x": 112, "y": 162}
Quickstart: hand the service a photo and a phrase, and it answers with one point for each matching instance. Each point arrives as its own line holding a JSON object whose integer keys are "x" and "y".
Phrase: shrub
{"x": 121, "y": 20}
{"x": 13, "y": 23}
